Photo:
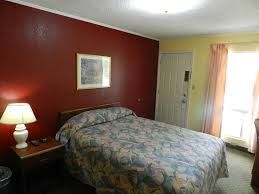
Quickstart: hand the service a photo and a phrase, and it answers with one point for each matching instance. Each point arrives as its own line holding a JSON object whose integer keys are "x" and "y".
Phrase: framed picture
{"x": 93, "y": 71}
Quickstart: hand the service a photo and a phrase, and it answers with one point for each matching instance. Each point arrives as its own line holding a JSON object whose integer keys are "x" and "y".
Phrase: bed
{"x": 115, "y": 151}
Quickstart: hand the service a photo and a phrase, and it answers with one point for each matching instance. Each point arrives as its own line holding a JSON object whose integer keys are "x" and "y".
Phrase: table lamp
{"x": 18, "y": 114}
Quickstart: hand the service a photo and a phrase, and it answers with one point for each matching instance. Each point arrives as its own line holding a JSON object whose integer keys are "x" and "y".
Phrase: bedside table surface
{"x": 32, "y": 150}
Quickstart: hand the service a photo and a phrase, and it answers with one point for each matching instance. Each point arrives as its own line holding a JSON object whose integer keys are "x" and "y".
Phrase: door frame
{"x": 189, "y": 88}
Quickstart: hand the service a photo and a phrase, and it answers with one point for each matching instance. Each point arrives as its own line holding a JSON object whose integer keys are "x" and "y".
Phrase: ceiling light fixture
{"x": 165, "y": 6}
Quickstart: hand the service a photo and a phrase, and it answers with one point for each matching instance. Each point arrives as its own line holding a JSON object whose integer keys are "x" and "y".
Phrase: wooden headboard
{"x": 65, "y": 115}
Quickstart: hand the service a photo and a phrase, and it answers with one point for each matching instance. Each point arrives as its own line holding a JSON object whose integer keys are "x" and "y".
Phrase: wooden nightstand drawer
{"x": 33, "y": 162}
{"x": 43, "y": 158}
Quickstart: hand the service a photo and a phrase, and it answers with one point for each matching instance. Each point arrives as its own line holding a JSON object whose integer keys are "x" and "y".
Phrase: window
{"x": 237, "y": 111}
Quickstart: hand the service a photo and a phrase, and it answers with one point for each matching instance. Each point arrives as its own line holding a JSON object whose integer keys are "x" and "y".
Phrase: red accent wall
{"x": 38, "y": 65}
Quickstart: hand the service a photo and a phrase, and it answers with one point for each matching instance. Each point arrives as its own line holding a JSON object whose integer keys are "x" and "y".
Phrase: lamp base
{"x": 21, "y": 145}
{"x": 20, "y": 135}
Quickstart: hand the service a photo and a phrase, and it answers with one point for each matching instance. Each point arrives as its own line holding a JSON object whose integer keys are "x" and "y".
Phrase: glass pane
{"x": 237, "y": 112}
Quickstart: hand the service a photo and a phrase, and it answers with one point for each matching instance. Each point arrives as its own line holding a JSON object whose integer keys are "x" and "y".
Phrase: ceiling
{"x": 209, "y": 17}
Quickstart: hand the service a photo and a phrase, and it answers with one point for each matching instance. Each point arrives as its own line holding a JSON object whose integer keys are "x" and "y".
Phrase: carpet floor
{"x": 239, "y": 164}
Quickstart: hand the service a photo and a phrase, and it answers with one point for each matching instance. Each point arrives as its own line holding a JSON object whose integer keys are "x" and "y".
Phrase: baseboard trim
{"x": 239, "y": 148}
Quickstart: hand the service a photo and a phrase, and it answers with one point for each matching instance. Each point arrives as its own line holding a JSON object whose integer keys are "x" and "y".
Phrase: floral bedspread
{"x": 118, "y": 152}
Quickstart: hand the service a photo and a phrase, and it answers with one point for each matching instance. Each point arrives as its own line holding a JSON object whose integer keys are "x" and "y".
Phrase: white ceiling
{"x": 211, "y": 17}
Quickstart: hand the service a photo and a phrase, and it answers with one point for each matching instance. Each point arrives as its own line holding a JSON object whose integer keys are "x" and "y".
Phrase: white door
{"x": 173, "y": 88}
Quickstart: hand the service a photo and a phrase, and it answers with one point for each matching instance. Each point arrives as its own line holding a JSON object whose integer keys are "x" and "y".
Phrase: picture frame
{"x": 93, "y": 71}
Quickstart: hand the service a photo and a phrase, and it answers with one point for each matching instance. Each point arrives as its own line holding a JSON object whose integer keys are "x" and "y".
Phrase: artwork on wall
{"x": 93, "y": 71}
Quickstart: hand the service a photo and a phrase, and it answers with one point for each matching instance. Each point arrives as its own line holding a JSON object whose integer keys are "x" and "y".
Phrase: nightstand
{"x": 32, "y": 162}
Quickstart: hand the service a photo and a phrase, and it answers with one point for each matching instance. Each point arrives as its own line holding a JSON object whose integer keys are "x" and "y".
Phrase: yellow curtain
{"x": 216, "y": 89}
{"x": 255, "y": 114}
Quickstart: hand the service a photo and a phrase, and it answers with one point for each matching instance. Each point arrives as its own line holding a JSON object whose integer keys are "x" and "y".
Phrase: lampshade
{"x": 18, "y": 113}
